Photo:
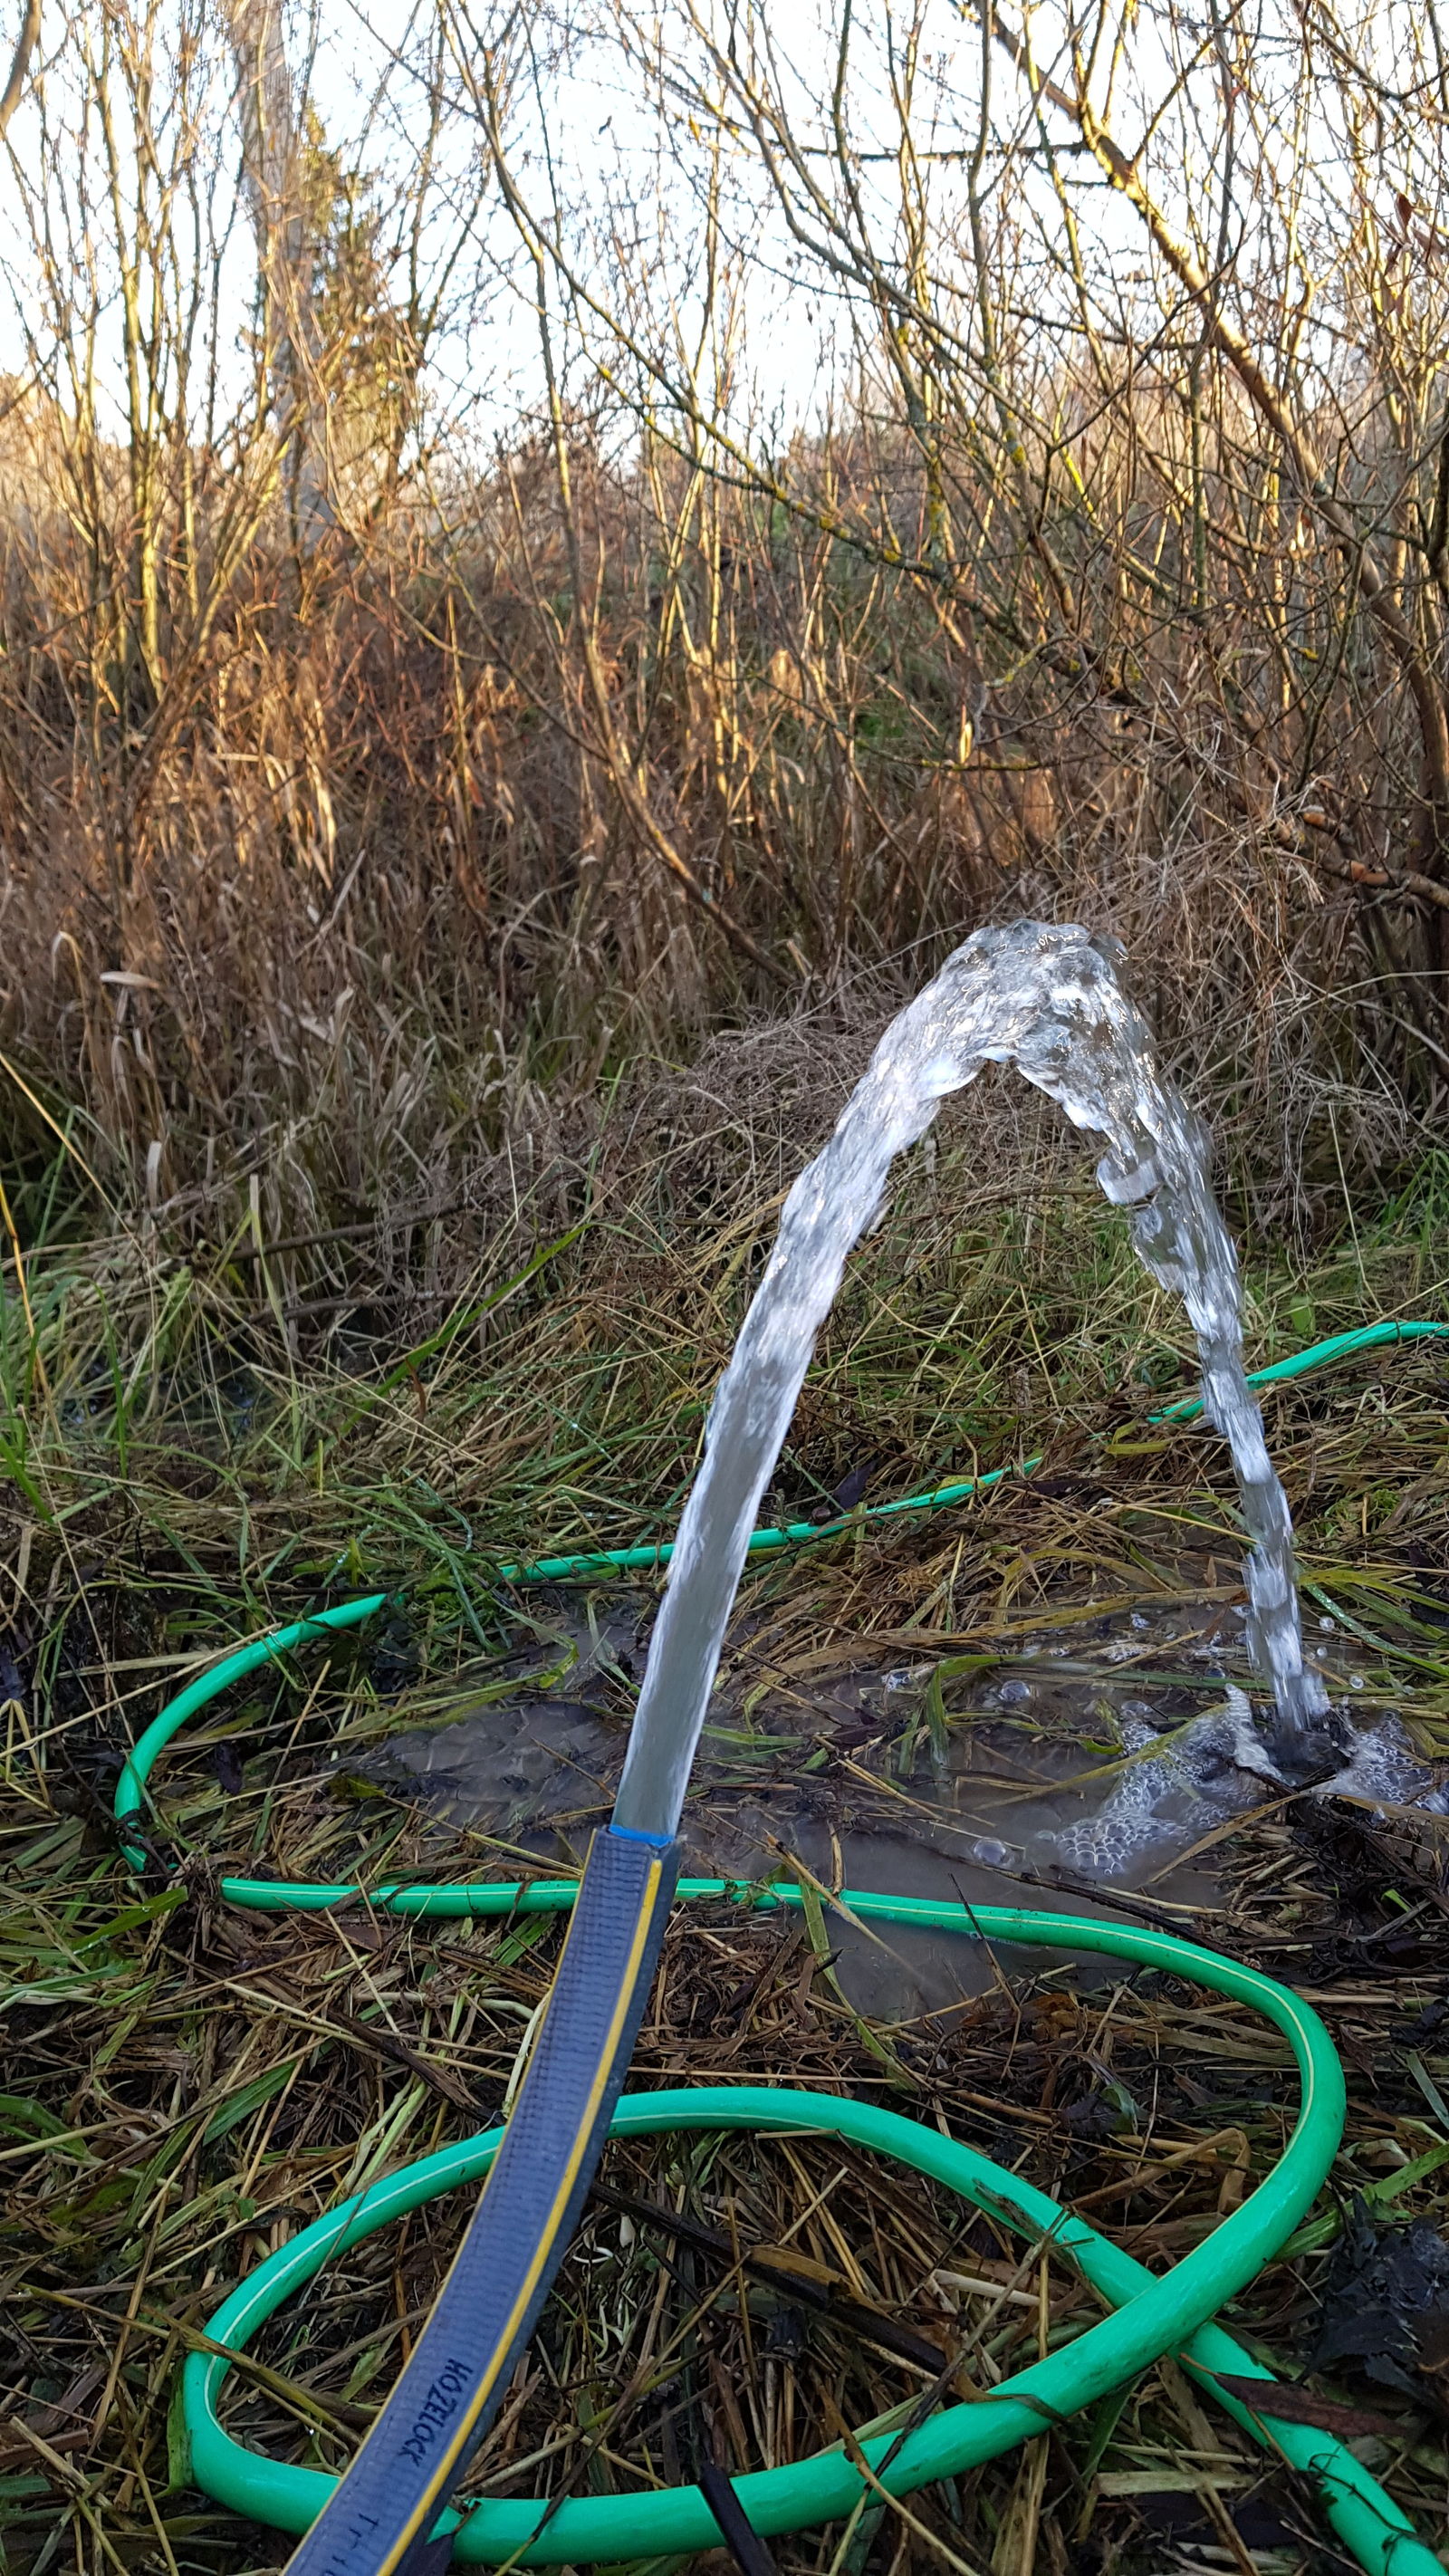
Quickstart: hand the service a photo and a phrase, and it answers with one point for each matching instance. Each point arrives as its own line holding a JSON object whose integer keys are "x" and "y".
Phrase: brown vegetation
{"x": 354, "y": 784}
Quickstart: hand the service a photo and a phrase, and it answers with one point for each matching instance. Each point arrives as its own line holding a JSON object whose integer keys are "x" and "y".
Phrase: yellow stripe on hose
{"x": 607, "y": 2052}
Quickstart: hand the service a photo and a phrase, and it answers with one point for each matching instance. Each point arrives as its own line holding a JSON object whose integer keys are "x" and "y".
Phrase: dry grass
{"x": 535, "y": 1365}
{"x": 345, "y": 850}
{"x": 361, "y": 907}
{"x": 197, "y": 2084}
{"x": 188, "y": 1478}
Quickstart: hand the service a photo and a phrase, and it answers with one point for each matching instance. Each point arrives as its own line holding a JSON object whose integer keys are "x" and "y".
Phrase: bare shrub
{"x": 362, "y": 789}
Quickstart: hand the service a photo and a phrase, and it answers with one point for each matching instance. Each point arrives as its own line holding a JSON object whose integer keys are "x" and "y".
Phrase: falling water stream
{"x": 1048, "y": 1000}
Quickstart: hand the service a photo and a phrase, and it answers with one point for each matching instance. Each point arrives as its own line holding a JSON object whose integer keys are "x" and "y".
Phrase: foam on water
{"x": 1048, "y": 1000}
{"x": 1215, "y": 1767}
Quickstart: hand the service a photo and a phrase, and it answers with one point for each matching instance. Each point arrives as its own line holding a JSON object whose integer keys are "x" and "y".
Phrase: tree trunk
{"x": 274, "y": 172}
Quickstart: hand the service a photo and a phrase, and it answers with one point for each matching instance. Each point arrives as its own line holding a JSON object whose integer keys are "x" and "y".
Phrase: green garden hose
{"x": 1152, "y": 2316}
{"x": 573, "y": 2075}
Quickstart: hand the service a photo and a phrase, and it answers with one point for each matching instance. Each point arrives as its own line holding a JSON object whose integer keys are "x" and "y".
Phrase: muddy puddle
{"x": 1110, "y": 1756}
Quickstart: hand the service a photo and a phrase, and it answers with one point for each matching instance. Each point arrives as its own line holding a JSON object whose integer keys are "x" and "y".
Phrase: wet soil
{"x": 1084, "y": 1766}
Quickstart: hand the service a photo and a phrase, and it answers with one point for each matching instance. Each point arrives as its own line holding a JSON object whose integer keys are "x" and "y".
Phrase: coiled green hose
{"x": 1152, "y": 2316}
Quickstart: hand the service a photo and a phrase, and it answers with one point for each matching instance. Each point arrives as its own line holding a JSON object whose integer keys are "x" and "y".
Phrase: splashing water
{"x": 1048, "y": 1000}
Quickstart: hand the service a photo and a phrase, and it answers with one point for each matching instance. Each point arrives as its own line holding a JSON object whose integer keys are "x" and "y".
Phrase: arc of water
{"x": 1048, "y": 999}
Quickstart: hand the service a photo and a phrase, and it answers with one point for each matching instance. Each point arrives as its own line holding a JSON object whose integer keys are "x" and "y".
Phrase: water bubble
{"x": 1383, "y": 1765}
{"x": 1011, "y": 1694}
{"x": 1329, "y": 1627}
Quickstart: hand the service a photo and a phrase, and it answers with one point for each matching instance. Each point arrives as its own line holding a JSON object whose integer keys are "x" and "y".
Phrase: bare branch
{"x": 25, "y": 45}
